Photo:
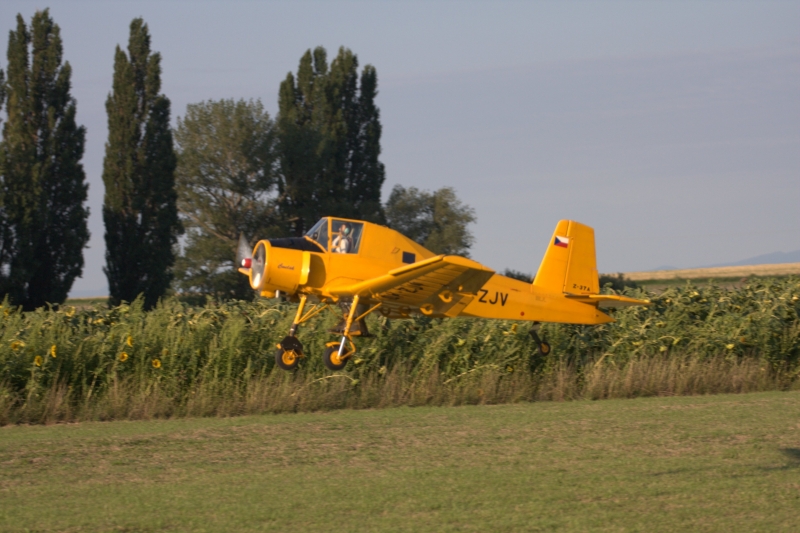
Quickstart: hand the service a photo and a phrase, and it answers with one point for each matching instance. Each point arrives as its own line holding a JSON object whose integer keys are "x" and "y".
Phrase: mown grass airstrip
{"x": 703, "y": 463}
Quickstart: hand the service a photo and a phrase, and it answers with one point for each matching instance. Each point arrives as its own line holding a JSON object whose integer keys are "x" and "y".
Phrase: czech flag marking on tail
{"x": 561, "y": 241}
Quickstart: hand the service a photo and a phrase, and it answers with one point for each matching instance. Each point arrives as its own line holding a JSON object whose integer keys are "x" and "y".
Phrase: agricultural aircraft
{"x": 362, "y": 268}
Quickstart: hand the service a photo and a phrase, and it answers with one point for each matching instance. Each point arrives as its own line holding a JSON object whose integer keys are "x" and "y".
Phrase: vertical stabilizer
{"x": 569, "y": 264}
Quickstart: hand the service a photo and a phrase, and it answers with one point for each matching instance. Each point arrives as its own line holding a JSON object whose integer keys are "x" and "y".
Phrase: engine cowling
{"x": 278, "y": 269}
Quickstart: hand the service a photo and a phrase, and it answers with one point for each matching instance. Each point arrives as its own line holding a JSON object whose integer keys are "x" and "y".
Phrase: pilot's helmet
{"x": 346, "y": 229}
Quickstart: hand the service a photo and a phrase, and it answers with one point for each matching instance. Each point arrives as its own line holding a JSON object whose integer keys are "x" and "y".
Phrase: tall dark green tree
{"x": 329, "y": 134}
{"x": 140, "y": 205}
{"x": 437, "y": 220}
{"x": 44, "y": 187}
{"x": 226, "y": 185}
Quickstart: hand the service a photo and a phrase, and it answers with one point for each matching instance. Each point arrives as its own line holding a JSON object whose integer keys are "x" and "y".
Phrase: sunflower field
{"x": 183, "y": 360}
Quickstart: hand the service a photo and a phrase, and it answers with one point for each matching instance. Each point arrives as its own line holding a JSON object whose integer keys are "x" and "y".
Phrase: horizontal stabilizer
{"x": 607, "y": 300}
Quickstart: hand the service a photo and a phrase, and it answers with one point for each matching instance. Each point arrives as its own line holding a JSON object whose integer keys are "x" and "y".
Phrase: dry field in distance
{"x": 783, "y": 269}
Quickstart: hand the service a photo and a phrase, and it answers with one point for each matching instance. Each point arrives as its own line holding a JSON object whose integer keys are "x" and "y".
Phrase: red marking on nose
{"x": 522, "y": 313}
{"x": 247, "y": 262}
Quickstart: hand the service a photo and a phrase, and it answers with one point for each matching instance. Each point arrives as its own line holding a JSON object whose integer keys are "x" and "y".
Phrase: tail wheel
{"x": 331, "y": 358}
{"x": 544, "y": 348}
{"x": 290, "y": 350}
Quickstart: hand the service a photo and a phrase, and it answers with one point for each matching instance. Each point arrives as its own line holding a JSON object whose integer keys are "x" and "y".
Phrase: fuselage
{"x": 378, "y": 250}
{"x": 510, "y": 299}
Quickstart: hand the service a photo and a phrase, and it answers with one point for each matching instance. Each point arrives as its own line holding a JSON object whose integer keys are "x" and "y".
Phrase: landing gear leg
{"x": 336, "y": 353}
{"x": 544, "y": 348}
{"x": 298, "y": 317}
{"x": 335, "y": 357}
{"x": 290, "y": 349}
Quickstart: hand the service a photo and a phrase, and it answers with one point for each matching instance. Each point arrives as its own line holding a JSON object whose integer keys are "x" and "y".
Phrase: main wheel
{"x": 331, "y": 358}
{"x": 544, "y": 348}
{"x": 290, "y": 350}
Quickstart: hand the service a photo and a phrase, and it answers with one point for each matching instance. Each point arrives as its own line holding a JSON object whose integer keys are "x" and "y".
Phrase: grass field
{"x": 708, "y": 463}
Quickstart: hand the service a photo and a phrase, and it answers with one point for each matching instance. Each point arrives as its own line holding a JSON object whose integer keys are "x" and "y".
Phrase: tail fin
{"x": 570, "y": 263}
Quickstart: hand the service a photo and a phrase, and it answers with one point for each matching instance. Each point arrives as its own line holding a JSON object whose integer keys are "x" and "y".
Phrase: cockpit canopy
{"x": 336, "y": 235}
{"x": 319, "y": 233}
{"x": 329, "y": 234}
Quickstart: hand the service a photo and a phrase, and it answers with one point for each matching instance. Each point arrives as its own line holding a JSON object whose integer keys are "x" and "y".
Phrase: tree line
{"x": 176, "y": 200}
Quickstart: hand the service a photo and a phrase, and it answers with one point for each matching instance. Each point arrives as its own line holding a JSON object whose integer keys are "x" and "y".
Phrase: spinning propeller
{"x": 243, "y": 253}
{"x": 244, "y": 259}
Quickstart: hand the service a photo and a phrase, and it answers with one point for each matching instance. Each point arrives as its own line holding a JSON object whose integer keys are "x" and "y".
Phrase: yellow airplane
{"x": 364, "y": 268}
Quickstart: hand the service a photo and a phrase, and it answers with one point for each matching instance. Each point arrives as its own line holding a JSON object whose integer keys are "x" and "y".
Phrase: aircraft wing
{"x": 607, "y": 300}
{"x": 442, "y": 285}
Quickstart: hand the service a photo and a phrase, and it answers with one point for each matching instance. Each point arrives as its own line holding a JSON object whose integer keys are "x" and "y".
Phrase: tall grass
{"x": 179, "y": 360}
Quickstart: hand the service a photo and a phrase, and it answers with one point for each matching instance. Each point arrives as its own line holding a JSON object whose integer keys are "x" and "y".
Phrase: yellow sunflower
{"x": 37, "y": 360}
{"x": 16, "y": 345}
{"x": 156, "y": 363}
{"x": 53, "y": 351}
{"x": 123, "y": 357}
{"x": 129, "y": 341}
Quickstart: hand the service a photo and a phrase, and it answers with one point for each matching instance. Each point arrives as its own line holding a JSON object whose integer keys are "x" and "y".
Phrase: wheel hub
{"x": 289, "y": 357}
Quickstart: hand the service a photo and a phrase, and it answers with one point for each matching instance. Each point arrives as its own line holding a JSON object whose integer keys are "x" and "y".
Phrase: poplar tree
{"x": 329, "y": 141}
{"x": 139, "y": 208}
{"x": 44, "y": 186}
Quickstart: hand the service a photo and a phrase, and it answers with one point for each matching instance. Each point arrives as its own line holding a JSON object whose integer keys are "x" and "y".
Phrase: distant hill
{"x": 774, "y": 258}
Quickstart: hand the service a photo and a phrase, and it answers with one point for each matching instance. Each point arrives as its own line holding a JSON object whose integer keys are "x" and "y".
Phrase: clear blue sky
{"x": 672, "y": 128}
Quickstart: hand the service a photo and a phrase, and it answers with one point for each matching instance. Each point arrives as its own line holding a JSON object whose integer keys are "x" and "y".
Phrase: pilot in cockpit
{"x": 342, "y": 242}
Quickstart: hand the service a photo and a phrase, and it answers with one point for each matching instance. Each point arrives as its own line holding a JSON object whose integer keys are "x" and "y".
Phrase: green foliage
{"x": 436, "y": 220}
{"x": 617, "y": 283}
{"x": 329, "y": 142}
{"x": 2, "y": 98}
{"x": 224, "y": 347}
{"x": 140, "y": 203}
{"x": 226, "y": 184}
{"x": 607, "y": 281}
{"x": 43, "y": 219}
{"x": 758, "y": 320}
{"x": 518, "y": 275}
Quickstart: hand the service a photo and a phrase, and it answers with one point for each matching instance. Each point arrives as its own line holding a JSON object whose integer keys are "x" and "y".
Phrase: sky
{"x": 672, "y": 128}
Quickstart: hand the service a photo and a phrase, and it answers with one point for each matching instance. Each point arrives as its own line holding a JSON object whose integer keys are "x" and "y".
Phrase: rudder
{"x": 570, "y": 263}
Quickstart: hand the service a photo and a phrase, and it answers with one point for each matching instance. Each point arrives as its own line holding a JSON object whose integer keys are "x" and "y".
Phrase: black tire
{"x": 544, "y": 348}
{"x": 330, "y": 357}
{"x": 289, "y": 352}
